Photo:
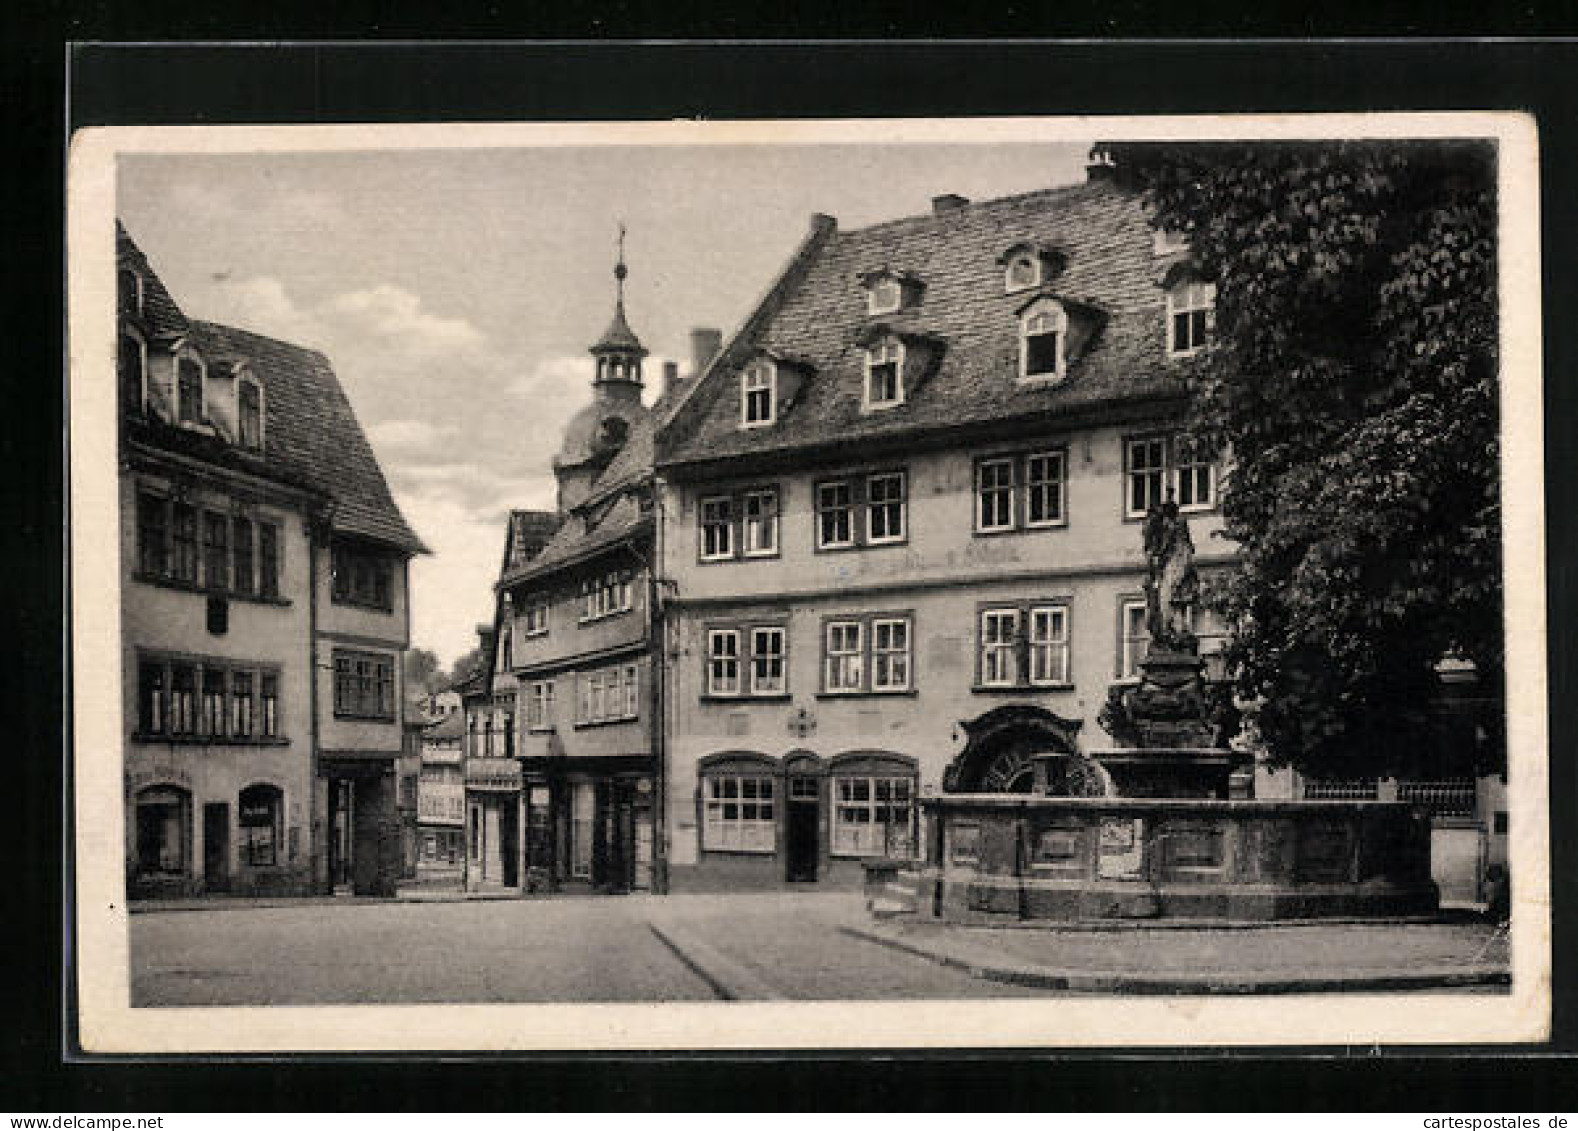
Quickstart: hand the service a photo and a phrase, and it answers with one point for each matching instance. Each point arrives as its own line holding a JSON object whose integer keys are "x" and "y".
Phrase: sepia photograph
{"x": 1014, "y": 582}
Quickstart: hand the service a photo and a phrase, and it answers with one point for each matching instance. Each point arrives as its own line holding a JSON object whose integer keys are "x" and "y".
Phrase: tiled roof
{"x": 1103, "y": 231}
{"x": 311, "y": 432}
{"x": 452, "y": 725}
{"x": 574, "y": 543}
{"x": 619, "y": 337}
{"x": 529, "y": 532}
{"x": 160, "y": 314}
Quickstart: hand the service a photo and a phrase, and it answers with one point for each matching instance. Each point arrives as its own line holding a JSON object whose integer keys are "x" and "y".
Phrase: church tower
{"x": 597, "y": 433}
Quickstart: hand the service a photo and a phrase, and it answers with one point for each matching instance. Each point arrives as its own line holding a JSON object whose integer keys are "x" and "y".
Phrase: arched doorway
{"x": 164, "y": 834}
{"x": 1000, "y": 748}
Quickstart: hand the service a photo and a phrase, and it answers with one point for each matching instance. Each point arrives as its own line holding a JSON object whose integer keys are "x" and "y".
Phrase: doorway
{"x": 801, "y": 839}
{"x": 216, "y": 846}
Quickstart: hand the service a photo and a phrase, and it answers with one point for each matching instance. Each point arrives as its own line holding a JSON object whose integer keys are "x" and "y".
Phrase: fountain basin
{"x": 996, "y": 857}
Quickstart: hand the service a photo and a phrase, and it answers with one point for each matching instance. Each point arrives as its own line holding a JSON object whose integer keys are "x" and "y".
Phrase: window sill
{"x": 907, "y": 692}
{"x": 1208, "y": 508}
{"x": 364, "y": 606}
{"x": 764, "y": 697}
{"x": 844, "y": 549}
{"x": 759, "y": 556}
{"x": 1026, "y": 528}
{"x": 767, "y": 852}
{"x": 350, "y": 718}
{"x": 581, "y": 622}
{"x": 205, "y": 740}
{"x": 1039, "y": 379}
{"x": 193, "y": 587}
{"x": 1018, "y": 688}
{"x": 592, "y": 724}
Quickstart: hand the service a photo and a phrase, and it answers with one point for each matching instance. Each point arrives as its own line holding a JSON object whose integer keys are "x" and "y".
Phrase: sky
{"x": 455, "y": 291}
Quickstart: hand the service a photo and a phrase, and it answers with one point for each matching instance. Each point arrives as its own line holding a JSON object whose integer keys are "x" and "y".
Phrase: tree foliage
{"x": 424, "y": 675}
{"x": 1353, "y": 379}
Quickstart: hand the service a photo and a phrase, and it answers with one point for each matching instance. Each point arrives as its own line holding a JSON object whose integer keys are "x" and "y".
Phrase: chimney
{"x": 948, "y": 202}
{"x": 705, "y": 342}
{"x": 821, "y": 223}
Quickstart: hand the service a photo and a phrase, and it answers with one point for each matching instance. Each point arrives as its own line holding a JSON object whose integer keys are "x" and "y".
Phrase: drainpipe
{"x": 313, "y": 816}
{"x": 658, "y": 647}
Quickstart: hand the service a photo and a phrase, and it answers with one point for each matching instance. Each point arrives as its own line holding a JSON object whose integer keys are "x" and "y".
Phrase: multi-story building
{"x": 264, "y": 612}
{"x": 576, "y": 631}
{"x": 902, "y": 519}
{"x": 441, "y": 800}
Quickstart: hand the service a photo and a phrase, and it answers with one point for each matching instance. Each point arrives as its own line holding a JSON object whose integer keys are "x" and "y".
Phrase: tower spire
{"x": 620, "y": 270}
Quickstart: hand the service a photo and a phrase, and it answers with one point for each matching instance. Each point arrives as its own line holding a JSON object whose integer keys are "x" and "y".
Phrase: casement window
{"x": 268, "y": 560}
{"x": 872, "y": 653}
{"x": 758, "y": 395}
{"x": 133, "y": 370}
{"x": 1020, "y": 492}
{"x": 747, "y": 660}
{"x": 768, "y": 653}
{"x": 250, "y": 414}
{"x": 363, "y": 685}
{"x": 884, "y": 295}
{"x": 189, "y": 375}
{"x": 363, "y": 577}
{"x": 609, "y": 695}
{"x": 534, "y": 617}
{"x": 723, "y": 661}
{"x": 743, "y": 524}
{"x": 884, "y": 375}
{"x": 1000, "y": 647}
{"x": 717, "y": 529}
{"x": 835, "y": 521}
{"x": 183, "y": 543}
{"x": 1191, "y": 307}
{"x": 1042, "y": 330}
{"x": 242, "y": 578}
{"x": 539, "y": 705}
{"x": 221, "y": 700}
{"x": 890, "y": 654}
{"x": 242, "y": 709}
{"x": 506, "y": 659}
{"x": 873, "y": 816}
{"x": 260, "y": 814}
{"x": 152, "y": 534}
{"x": 885, "y": 508}
{"x": 605, "y": 595}
{"x": 1158, "y": 465}
{"x": 1022, "y": 272}
{"x": 865, "y": 510}
{"x": 738, "y": 813}
{"x": 1024, "y": 645}
{"x": 759, "y": 523}
{"x": 216, "y": 550}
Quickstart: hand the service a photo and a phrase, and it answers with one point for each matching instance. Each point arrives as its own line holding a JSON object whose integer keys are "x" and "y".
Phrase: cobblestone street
{"x": 761, "y": 946}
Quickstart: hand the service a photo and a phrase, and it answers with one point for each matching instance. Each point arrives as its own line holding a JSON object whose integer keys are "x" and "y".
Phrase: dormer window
{"x": 758, "y": 395}
{"x": 1024, "y": 271}
{"x": 249, "y": 413}
{"x": 190, "y": 374}
{"x": 1191, "y": 307}
{"x": 1166, "y": 241}
{"x": 884, "y": 375}
{"x": 133, "y": 370}
{"x": 884, "y": 296}
{"x": 1042, "y": 330}
{"x": 129, "y": 288}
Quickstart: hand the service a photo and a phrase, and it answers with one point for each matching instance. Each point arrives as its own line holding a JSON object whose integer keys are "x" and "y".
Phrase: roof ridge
{"x": 974, "y": 205}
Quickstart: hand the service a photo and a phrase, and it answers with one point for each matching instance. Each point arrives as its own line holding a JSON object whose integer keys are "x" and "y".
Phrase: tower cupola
{"x": 618, "y": 352}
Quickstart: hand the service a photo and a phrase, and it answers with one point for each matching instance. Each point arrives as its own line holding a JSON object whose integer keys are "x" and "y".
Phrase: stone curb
{"x": 1241, "y": 982}
{"x": 727, "y": 978}
{"x": 226, "y": 903}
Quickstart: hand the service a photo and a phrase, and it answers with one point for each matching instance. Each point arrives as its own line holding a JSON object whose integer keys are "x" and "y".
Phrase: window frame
{"x": 889, "y": 350}
{"x": 185, "y": 352}
{"x": 539, "y": 714}
{"x": 770, "y": 525}
{"x": 863, "y": 656}
{"x": 1036, "y": 309}
{"x": 1019, "y": 489}
{"x": 137, "y": 338}
{"x": 725, "y": 523}
{"x": 1179, "y": 304}
{"x": 258, "y": 442}
{"x": 210, "y": 684}
{"x": 246, "y": 845}
{"x": 1020, "y": 648}
{"x": 1169, "y": 471}
{"x": 372, "y": 673}
{"x": 610, "y": 593}
{"x": 1023, "y": 255}
{"x": 876, "y": 286}
{"x": 712, "y": 687}
{"x": 757, "y": 378}
{"x": 534, "y": 616}
{"x": 754, "y": 657}
{"x": 860, "y": 508}
{"x": 361, "y": 577}
{"x": 757, "y": 836}
{"x": 872, "y": 804}
{"x": 728, "y": 512}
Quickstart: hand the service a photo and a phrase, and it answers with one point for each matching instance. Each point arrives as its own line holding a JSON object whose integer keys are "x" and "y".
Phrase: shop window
{"x": 873, "y": 816}
{"x": 261, "y": 815}
{"x": 163, "y": 831}
{"x": 738, "y": 813}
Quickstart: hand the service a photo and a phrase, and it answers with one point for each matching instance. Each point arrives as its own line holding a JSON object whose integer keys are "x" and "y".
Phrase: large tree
{"x": 1353, "y": 379}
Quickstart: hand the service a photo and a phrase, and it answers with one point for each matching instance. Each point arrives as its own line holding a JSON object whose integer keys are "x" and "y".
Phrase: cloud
{"x": 261, "y": 303}
{"x": 394, "y": 317}
{"x": 553, "y": 377}
{"x": 410, "y": 433}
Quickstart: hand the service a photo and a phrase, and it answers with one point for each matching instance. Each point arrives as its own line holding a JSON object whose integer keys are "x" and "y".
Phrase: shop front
{"x": 588, "y": 823}
{"x": 361, "y": 830}
{"x": 493, "y": 788}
